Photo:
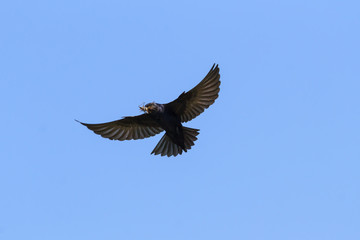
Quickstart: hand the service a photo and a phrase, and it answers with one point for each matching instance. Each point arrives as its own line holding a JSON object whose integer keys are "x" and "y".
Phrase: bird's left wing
{"x": 192, "y": 103}
{"x": 138, "y": 127}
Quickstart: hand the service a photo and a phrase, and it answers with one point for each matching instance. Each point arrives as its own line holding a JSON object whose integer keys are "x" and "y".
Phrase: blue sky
{"x": 278, "y": 153}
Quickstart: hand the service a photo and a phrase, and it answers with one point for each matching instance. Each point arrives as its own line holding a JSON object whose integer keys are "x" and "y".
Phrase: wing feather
{"x": 138, "y": 127}
{"x": 192, "y": 103}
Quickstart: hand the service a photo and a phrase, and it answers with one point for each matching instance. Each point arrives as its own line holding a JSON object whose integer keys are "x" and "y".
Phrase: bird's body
{"x": 168, "y": 117}
{"x": 172, "y": 126}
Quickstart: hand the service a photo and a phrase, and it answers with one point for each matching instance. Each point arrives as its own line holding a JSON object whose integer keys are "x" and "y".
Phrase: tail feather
{"x": 190, "y": 137}
{"x": 167, "y": 147}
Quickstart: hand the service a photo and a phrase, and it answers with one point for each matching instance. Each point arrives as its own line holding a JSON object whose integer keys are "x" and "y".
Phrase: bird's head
{"x": 151, "y": 107}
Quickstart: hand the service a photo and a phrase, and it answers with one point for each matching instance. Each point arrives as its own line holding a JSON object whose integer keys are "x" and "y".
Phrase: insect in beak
{"x": 143, "y": 108}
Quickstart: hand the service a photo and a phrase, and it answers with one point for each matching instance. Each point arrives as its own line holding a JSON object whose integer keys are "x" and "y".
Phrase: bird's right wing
{"x": 138, "y": 127}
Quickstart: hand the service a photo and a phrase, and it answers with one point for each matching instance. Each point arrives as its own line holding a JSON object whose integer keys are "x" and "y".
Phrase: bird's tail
{"x": 169, "y": 148}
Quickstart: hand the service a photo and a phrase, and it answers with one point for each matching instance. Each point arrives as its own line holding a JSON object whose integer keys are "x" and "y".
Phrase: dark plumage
{"x": 168, "y": 117}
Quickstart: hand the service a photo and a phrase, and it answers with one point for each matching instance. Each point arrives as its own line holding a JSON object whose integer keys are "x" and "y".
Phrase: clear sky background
{"x": 278, "y": 153}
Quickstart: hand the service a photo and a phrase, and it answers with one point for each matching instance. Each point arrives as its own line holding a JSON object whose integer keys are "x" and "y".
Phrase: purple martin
{"x": 159, "y": 117}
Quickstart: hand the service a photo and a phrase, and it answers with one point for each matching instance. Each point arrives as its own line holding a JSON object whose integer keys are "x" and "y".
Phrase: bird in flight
{"x": 166, "y": 117}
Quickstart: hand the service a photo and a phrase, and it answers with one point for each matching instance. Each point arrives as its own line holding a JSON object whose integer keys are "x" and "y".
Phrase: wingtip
{"x": 214, "y": 67}
{"x": 79, "y": 122}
